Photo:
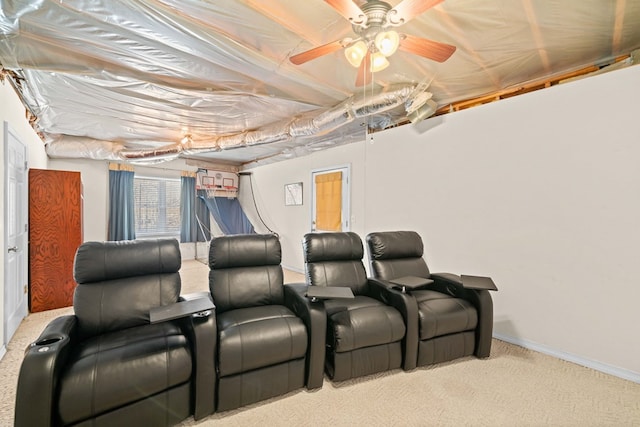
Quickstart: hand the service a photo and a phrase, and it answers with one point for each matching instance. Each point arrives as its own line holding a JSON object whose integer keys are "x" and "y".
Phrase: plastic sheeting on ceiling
{"x": 129, "y": 80}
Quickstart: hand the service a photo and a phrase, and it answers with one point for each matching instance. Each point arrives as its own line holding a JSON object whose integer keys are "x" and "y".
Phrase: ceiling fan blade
{"x": 364, "y": 71}
{"x": 349, "y": 10}
{"x": 406, "y": 10}
{"x": 316, "y": 52}
{"x": 430, "y": 49}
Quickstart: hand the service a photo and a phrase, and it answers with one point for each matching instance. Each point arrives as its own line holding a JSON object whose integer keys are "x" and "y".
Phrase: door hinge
{"x": 25, "y": 165}
{"x": 25, "y": 289}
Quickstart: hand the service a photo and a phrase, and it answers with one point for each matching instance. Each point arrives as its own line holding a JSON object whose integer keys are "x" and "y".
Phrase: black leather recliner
{"x": 270, "y": 337}
{"x": 107, "y": 365}
{"x": 364, "y": 334}
{"x": 452, "y": 321}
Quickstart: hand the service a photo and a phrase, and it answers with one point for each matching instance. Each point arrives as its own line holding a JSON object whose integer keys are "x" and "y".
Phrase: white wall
{"x": 12, "y": 111}
{"x": 540, "y": 192}
{"x": 94, "y": 175}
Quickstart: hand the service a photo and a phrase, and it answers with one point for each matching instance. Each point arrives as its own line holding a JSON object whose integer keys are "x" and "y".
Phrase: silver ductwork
{"x": 311, "y": 124}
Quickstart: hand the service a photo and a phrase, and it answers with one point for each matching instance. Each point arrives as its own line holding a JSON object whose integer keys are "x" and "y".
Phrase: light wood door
{"x": 330, "y": 199}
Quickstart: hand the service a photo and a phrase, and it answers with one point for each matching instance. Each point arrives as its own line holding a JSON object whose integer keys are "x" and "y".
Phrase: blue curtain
{"x": 192, "y": 210}
{"x": 229, "y": 215}
{"x": 122, "y": 222}
{"x": 188, "y": 222}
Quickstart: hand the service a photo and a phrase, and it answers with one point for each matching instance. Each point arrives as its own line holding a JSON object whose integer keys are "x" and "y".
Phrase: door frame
{"x": 346, "y": 194}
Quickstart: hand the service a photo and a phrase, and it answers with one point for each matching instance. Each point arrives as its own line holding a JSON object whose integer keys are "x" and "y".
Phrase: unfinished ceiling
{"x": 147, "y": 81}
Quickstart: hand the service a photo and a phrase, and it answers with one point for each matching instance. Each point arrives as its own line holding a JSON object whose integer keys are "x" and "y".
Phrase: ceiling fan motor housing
{"x": 376, "y": 13}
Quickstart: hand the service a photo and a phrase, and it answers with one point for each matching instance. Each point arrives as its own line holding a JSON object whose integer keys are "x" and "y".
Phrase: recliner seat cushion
{"x": 120, "y": 368}
{"x": 255, "y": 337}
{"x": 441, "y": 314}
{"x": 362, "y": 322}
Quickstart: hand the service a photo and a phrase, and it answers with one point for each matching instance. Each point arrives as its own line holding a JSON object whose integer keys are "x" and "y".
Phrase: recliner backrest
{"x": 335, "y": 259}
{"x": 119, "y": 282}
{"x": 396, "y": 254}
{"x": 245, "y": 271}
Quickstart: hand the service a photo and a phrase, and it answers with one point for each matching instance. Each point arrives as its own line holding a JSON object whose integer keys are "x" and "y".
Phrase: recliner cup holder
{"x": 48, "y": 341}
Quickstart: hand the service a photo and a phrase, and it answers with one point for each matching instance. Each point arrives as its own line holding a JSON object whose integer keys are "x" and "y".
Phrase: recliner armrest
{"x": 448, "y": 283}
{"x": 314, "y": 317}
{"x": 478, "y": 283}
{"x": 387, "y": 292}
{"x": 410, "y": 283}
{"x": 481, "y": 300}
{"x": 320, "y": 293}
{"x": 447, "y": 277}
{"x": 202, "y": 328}
{"x": 43, "y": 361}
{"x": 199, "y": 304}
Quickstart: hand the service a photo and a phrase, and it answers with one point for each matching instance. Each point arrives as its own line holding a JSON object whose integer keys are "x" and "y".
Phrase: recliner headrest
{"x": 245, "y": 250}
{"x": 332, "y": 246}
{"x": 395, "y": 244}
{"x": 100, "y": 261}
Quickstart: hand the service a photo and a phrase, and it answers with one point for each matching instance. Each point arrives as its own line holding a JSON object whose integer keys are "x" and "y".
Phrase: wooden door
{"x": 55, "y": 232}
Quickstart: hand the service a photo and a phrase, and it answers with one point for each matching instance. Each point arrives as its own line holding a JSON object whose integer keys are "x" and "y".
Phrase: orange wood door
{"x": 55, "y": 232}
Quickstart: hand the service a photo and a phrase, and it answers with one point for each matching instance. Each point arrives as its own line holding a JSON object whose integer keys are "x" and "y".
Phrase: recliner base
{"x": 446, "y": 348}
{"x": 363, "y": 361}
{"x": 163, "y": 409}
{"x": 260, "y": 384}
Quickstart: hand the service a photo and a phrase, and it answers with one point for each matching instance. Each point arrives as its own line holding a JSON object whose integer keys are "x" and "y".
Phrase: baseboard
{"x": 598, "y": 366}
{"x": 3, "y": 351}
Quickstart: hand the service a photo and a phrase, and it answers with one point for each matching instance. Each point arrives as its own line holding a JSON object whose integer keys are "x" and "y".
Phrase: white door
{"x": 330, "y": 199}
{"x": 15, "y": 257}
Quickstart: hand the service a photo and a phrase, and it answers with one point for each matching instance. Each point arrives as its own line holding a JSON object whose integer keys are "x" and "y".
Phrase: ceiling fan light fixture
{"x": 356, "y": 53}
{"x": 378, "y": 62}
{"x": 387, "y": 42}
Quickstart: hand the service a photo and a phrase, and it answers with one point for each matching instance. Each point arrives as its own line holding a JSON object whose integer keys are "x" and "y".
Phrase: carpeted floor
{"x": 514, "y": 387}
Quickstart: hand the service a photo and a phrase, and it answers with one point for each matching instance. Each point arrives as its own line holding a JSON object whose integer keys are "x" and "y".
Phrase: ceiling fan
{"x": 376, "y": 39}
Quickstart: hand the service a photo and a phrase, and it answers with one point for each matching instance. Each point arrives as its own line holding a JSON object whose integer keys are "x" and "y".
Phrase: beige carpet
{"x": 514, "y": 387}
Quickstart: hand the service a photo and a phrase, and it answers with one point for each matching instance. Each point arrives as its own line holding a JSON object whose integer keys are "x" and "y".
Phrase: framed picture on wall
{"x": 293, "y": 194}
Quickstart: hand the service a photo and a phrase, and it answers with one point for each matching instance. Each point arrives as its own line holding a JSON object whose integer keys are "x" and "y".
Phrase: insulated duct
{"x": 312, "y": 124}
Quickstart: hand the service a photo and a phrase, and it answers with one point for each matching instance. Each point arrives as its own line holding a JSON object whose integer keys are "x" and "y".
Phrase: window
{"x": 157, "y": 206}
